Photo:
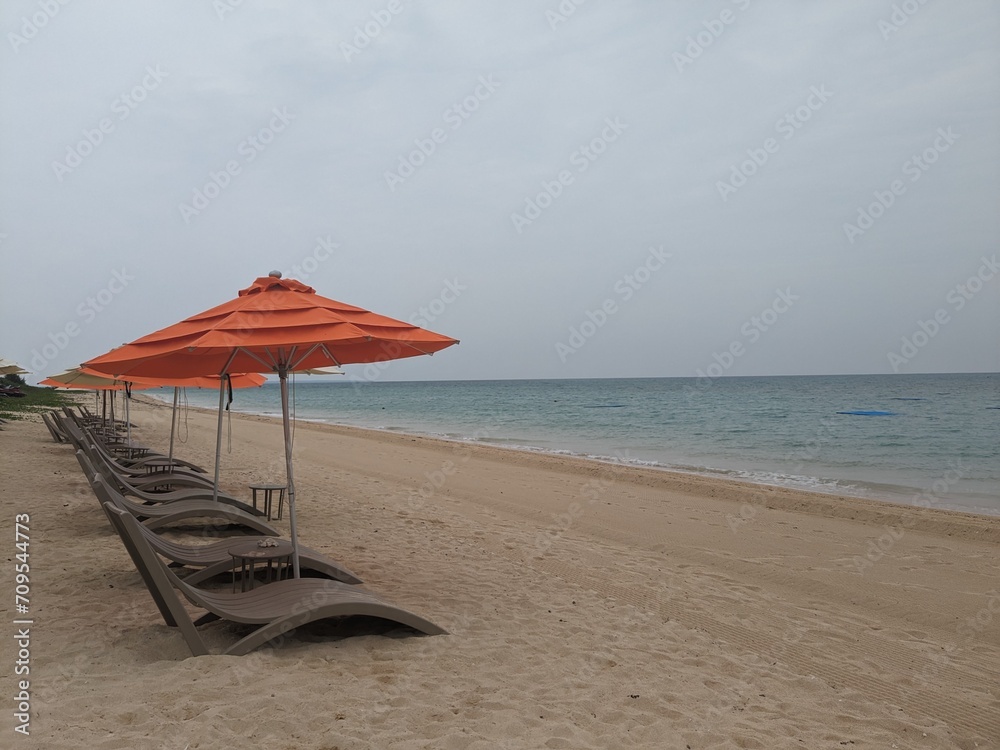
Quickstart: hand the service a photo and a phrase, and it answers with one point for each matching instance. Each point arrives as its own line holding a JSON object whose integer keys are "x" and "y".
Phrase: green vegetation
{"x": 36, "y": 399}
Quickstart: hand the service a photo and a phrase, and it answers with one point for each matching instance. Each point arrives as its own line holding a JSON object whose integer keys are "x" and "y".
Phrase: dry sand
{"x": 589, "y": 606}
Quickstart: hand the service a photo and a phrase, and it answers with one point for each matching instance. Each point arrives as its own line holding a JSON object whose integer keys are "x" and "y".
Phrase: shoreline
{"x": 851, "y": 457}
{"x": 777, "y": 497}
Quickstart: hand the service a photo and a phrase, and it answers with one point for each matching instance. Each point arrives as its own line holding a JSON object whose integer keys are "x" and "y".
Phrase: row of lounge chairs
{"x": 138, "y": 504}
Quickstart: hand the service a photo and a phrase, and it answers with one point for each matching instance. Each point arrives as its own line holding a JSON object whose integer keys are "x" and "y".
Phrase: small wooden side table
{"x": 269, "y": 490}
{"x": 247, "y": 555}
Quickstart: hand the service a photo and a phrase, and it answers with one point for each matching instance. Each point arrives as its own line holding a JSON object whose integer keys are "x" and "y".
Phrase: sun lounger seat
{"x": 54, "y": 430}
{"x": 214, "y": 558}
{"x": 91, "y": 462}
{"x": 159, "y": 516}
{"x": 277, "y": 607}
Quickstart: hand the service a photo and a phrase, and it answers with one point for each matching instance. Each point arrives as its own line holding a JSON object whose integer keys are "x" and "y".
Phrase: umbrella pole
{"x": 218, "y": 438}
{"x": 283, "y": 377}
{"x": 173, "y": 423}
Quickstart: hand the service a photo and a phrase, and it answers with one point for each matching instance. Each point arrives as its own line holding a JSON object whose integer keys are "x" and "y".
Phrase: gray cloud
{"x": 413, "y": 96}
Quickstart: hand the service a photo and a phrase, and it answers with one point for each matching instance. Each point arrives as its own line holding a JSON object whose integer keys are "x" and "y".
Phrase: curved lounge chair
{"x": 176, "y": 475}
{"x": 158, "y": 516}
{"x": 214, "y": 558}
{"x": 138, "y": 465}
{"x": 91, "y": 463}
{"x": 54, "y": 430}
{"x": 180, "y": 477}
{"x": 277, "y": 607}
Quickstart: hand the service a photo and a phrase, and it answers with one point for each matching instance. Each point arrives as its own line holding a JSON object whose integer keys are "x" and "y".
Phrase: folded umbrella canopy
{"x": 85, "y": 379}
{"x": 274, "y": 325}
{"x": 82, "y": 379}
{"x": 11, "y": 368}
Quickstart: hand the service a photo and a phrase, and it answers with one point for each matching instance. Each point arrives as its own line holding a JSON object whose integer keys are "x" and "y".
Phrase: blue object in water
{"x": 867, "y": 413}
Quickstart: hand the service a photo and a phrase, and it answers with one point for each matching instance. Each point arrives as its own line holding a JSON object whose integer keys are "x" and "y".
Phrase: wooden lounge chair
{"x": 138, "y": 477}
{"x": 158, "y": 516}
{"x": 277, "y": 608}
{"x": 54, "y": 429}
{"x": 138, "y": 465}
{"x": 176, "y": 472}
{"x": 91, "y": 463}
{"x": 214, "y": 558}
{"x": 80, "y": 433}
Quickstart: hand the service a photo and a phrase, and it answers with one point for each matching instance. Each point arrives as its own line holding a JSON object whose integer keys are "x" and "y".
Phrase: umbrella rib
{"x": 330, "y": 355}
{"x": 232, "y": 356}
{"x": 294, "y": 365}
{"x": 272, "y": 365}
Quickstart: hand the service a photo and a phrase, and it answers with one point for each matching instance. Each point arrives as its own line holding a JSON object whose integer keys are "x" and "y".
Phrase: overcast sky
{"x": 608, "y": 189}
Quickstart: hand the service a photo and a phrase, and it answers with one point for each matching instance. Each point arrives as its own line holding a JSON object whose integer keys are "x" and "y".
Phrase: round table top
{"x": 250, "y": 549}
{"x": 268, "y": 486}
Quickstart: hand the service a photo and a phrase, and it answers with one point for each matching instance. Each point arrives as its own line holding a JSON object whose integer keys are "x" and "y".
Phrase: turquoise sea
{"x": 913, "y": 438}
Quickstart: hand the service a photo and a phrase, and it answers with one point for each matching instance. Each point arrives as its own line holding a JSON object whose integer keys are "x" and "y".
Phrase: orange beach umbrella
{"x": 91, "y": 380}
{"x": 274, "y": 325}
{"x": 87, "y": 379}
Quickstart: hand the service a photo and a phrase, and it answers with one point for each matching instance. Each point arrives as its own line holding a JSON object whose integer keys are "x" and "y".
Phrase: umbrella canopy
{"x": 274, "y": 325}
{"x": 82, "y": 377}
{"x": 88, "y": 380}
{"x": 11, "y": 368}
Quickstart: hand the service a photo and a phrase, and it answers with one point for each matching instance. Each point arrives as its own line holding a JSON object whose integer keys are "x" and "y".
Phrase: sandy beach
{"x": 588, "y": 606}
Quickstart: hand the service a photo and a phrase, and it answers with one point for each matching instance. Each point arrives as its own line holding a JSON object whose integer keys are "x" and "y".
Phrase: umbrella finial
{"x": 275, "y": 274}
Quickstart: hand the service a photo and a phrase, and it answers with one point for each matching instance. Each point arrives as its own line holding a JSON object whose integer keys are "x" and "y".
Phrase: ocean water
{"x": 927, "y": 439}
